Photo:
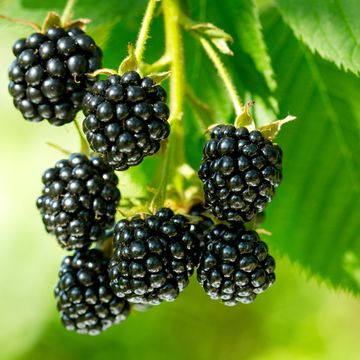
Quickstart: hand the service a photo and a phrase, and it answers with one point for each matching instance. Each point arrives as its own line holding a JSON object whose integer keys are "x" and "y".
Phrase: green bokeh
{"x": 296, "y": 319}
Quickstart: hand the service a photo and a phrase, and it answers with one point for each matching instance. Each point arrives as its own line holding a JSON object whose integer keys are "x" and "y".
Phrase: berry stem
{"x": 32, "y": 24}
{"x": 59, "y": 148}
{"x": 144, "y": 30}
{"x": 84, "y": 147}
{"x": 174, "y": 153}
{"x": 202, "y": 110}
{"x": 224, "y": 75}
{"x": 174, "y": 48}
{"x": 68, "y": 12}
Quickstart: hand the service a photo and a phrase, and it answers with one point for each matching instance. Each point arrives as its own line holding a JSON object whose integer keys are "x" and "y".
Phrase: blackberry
{"x": 126, "y": 118}
{"x": 235, "y": 265}
{"x": 79, "y": 200}
{"x": 240, "y": 171}
{"x": 48, "y": 77}
{"x": 84, "y": 298}
{"x": 153, "y": 257}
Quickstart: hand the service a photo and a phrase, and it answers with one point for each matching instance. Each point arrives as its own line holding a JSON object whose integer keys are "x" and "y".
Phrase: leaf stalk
{"x": 144, "y": 30}
{"x": 174, "y": 150}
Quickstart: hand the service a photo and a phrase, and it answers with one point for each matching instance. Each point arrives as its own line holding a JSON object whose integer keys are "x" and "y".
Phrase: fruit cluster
{"x": 148, "y": 258}
{"x": 240, "y": 171}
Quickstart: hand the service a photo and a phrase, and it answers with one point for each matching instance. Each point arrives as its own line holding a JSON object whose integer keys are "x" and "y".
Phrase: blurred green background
{"x": 298, "y": 318}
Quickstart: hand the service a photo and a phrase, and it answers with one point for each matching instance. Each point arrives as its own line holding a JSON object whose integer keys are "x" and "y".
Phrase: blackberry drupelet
{"x": 47, "y": 78}
{"x": 79, "y": 200}
{"x": 85, "y": 300}
{"x": 153, "y": 257}
{"x": 126, "y": 118}
{"x": 235, "y": 265}
{"x": 240, "y": 171}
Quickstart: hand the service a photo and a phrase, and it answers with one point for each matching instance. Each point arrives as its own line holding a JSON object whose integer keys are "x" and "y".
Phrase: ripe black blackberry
{"x": 85, "y": 300}
{"x": 235, "y": 265}
{"x": 79, "y": 200}
{"x": 126, "y": 118}
{"x": 240, "y": 171}
{"x": 153, "y": 257}
{"x": 47, "y": 78}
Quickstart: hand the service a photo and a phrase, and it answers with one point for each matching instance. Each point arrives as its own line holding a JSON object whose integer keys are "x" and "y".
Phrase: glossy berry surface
{"x": 47, "y": 78}
{"x": 235, "y": 266}
{"x": 126, "y": 119}
{"x": 240, "y": 171}
{"x": 85, "y": 300}
{"x": 153, "y": 257}
{"x": 79, "y": 200}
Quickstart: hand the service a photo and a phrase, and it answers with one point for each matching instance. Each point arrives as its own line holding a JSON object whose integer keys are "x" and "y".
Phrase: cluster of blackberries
{"x": 152, "y": 256}
{"x": 240, "y": 171}
{"x": 125, "y": 120}
{"x": 78, "y": 204}
{"x": 151, "y": 259}
{"x": 48, "y": 77}
{"x": 125, "y": 116}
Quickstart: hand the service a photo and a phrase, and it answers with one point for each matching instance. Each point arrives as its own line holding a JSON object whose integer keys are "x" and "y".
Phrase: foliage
{"x": 301, "y": 58}
{"x": 331, "y": 28}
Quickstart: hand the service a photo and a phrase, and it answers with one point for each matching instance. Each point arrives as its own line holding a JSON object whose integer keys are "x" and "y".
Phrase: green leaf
{"x": 250, "y": 66}
{"x": 242, "y": 22}
{"x": 314, "y": 217}
{"x": 104, "y": 16}
{"x": 217, "y": 36}
{"x": 331, "y": 28}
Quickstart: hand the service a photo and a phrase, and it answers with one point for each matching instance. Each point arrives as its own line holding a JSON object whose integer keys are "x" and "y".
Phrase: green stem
{"x": 203, "y": 113}
{"x": 144, "y": 30}
{"x": 59, "y": 148}
{"x": 174, "y": 48}
{"x": 159, "y": 65}
{"x": 84, "y": 147}
{"x": 68, "y": 12}
{"x": 224, "y": 75}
